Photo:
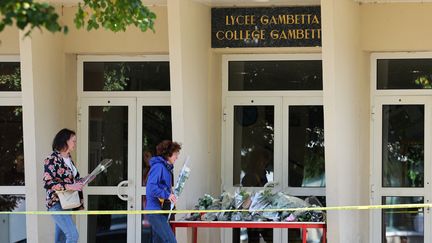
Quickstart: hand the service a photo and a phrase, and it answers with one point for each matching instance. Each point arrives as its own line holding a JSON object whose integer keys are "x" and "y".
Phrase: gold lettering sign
{"x": 266, "y": 27}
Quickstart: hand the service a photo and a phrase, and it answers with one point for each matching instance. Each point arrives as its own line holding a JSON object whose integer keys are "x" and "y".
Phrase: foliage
{"x": 10, "y": 202}
{"x": 28, "y": 13}
{"x": 409, "y": 159}
{"x": 314, "y": 158}
{"x": 113, "y": 15}
{"x": 115, "y": 78}
{"x": 12, "y": 81}
{"x": 423, "y": 81}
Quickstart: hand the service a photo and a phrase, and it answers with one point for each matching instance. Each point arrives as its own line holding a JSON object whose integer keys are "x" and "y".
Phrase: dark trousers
{"x": 161, "y": 230}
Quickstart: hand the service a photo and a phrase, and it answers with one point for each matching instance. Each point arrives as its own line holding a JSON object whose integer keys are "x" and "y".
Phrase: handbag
{"x": 166, "y": 204}
{"x": 69, "y": 199}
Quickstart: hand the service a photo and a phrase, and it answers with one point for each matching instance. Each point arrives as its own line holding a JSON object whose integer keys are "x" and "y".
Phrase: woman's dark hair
{"x": 166, "y": 148}
{"x": 61, "y": 138}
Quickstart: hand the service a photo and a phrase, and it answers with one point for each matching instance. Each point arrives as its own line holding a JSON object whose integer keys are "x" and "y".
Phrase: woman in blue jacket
{"x": 158, "y": 189}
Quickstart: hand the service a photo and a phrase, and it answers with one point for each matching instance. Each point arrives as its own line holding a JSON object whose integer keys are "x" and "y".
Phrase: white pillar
{"x": 194, "y": 109}
{"x": 346, "y": 120}
{"x": 45, "y": 111}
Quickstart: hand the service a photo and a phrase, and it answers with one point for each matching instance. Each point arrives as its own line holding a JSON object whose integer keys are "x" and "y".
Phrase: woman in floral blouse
{"x": 60, "y": 174}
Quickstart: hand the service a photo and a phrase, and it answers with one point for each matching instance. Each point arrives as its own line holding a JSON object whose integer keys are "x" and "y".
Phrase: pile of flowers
{"x": 260, "y": 200}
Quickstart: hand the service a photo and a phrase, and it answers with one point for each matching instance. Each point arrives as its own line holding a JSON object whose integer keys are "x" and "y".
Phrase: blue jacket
{"x": 159, "y": 182}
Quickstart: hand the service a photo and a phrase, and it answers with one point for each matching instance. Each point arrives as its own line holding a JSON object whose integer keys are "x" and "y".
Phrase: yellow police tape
{"x": 106, "y": 212}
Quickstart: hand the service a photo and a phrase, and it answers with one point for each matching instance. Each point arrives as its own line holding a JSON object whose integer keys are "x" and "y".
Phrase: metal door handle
{"x": 119, "y": 195}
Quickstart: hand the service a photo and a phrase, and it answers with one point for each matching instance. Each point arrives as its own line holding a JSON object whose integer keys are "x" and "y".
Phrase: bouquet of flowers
{"x": 183, "y": 176}
{"x": 181, "y": 181}
{"x": 102, "y": 166}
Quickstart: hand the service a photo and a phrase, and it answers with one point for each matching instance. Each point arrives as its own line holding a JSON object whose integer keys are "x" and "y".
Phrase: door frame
{"x": 397, "y": 96}
{"x": 147, "y": 98}
{"x": 281, "y": 100}
{"x": 377, "y": 190}
{"x": 140, "y": 190}
{"x": 82, "y": 141}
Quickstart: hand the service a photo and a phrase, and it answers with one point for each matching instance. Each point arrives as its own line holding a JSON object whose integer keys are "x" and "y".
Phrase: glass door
{"x": 401, "y": 167}
{"x": 252, "y": 144}
{"x": 153, "y": 126}
{"x": 126, "y": 130}
{"x": 303, "y": 156}
{"x": 108, "y": 130}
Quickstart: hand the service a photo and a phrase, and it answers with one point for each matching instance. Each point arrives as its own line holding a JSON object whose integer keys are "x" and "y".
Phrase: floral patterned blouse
{"x": 56, "y": 175}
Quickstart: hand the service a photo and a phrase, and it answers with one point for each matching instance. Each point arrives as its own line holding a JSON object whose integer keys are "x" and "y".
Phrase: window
{"x": 126, "y": 76}
{"x": 12, "y": 191}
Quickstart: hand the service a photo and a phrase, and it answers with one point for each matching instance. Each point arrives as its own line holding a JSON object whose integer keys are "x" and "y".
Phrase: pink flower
{"x": 47, "y": 176}
{"x": 51, "y": 167}
{"x": 46, "y": 161}
{"x": 67, "y": 180}
{"x": 57, "y": 187}
{"x": 61, "y": 171}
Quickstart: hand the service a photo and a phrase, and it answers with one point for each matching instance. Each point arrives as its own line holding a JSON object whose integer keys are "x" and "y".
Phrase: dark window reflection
{"x": 106, "y": 228}
{"x": 156, "y": 128}
{"x": 13, "y": 227}
{"x": 275, "y": 75}
{"x": 253, "y": 145}
{"x": 404, "y": 73}
{"x": 248, "y": 235}
{"x": 108, "y": 139}
{"x": 10, "y": 76}
{"x": 402, "y": 224}
{"x": 126, "y": 76}
{"x": 403, "y": 146}
{"x": 11, "y": 146}
{"x": 306, "y": 146}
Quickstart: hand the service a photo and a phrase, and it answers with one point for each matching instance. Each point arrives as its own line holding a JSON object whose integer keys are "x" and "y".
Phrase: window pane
{"x": 253, "y": 145}
{"x": 126, "y": 76}
{"x": 403, "y": 146}
{"x": 404, "y": 73}
{"x": 108, "y": 139}
{"x": 402, "y": 224}
{"x": 156, "y": 128}
{"x": 12, "y": 227}
{"x": 106, "y": 228}
{"x": 11, "y": 146}
{"x": 275, "y": 75}
{"x": 306, "y": 146}
{"x": 10, "y": 76}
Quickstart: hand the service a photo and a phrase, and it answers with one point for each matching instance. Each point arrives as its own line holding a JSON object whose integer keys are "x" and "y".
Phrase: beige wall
{"x": 396, "y": 27}
{"x": 9, "y": 41}
{"x": 195, "y": 99}
{"x": 346, "y": 120}
{"x": 131, "y": 42}
{"x": 45, "y": 110}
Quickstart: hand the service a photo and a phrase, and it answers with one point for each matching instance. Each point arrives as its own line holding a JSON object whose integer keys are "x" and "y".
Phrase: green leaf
{"x": 113, "y": 15}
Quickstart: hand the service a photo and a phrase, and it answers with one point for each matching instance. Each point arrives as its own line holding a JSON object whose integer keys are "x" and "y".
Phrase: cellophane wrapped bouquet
{"x": 255, "y": 202}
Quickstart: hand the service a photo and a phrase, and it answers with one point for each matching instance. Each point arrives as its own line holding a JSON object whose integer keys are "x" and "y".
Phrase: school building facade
{"x": 233, "y": 81}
